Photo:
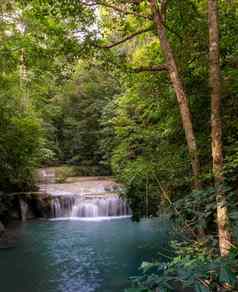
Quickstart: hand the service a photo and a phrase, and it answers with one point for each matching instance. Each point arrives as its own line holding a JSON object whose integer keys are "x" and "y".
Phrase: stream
{"x": 88, "y": 244}
{"x": 80, "y": 256}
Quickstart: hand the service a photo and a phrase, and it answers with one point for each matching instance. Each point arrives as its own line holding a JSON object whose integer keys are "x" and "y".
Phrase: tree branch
{"x": 127, "y": 38}
{"x": 116, "y": 8}
{"x": 163, "y": 9}
{"x": 161, "y": 12}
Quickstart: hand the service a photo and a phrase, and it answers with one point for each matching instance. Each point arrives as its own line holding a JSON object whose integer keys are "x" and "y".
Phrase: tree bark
{"x": 180, "y": 92}
{"x": 216, "y": 128}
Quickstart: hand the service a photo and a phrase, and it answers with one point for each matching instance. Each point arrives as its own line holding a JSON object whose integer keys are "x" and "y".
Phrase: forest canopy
{"x": 145, "y": 91}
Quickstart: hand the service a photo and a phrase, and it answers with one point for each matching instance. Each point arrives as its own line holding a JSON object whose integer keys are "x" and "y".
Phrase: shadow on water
{"x": 10, "y": 238}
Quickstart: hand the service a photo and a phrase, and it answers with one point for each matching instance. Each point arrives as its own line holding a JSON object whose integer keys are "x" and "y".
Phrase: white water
{"x": 89, "y": 207}
{"x": 91, "y": 219}
{"x": 83, "y": 197}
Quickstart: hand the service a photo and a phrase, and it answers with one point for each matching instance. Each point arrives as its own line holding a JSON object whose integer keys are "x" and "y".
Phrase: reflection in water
{"x": 80, "y": 256}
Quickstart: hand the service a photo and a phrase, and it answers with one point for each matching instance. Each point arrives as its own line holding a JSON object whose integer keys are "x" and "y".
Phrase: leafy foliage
{"x": 21, "y": 145}
{"x": 65, "y": 97}
{"x": 193, "y": 266}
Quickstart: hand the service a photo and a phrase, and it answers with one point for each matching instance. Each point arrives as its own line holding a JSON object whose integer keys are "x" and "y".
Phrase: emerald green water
{"x": 80, "y": 256}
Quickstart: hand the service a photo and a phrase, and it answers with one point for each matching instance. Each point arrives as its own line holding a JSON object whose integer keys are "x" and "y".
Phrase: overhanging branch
{"x": 127, "y": 38}
{"x": 116, "y": 8}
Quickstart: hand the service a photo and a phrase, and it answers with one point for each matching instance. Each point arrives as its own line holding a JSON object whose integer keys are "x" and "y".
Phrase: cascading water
{"x": 61, "y": 206}
{"x": 82, "y": 197}
{"x": 93, "y": 206}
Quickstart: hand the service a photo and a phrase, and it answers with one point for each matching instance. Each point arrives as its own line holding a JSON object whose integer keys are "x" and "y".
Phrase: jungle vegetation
{"x": 144, "y": 90}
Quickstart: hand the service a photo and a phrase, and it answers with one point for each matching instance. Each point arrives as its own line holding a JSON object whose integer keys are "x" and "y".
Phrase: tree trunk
{"x": 216, "y": 128}
{"x": 23, "y": 80}
{"x": 180, "y": 92}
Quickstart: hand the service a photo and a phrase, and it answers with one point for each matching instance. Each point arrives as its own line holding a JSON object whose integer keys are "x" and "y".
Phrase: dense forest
{"x": 145, "y": 91}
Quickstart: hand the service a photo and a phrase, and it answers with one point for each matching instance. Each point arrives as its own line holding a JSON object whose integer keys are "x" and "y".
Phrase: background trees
{"x": 77, "y": 123}
{"x": 112, "y": 86}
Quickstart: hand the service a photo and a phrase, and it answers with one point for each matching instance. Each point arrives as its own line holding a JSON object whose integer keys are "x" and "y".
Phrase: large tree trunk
{"x": 216, "y": 128}
{"x": 180, "y": 92}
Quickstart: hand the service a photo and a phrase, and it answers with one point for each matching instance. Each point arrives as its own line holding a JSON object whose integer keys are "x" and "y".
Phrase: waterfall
{"x": 61, "y": 206}
{"x": 89, "y": 206}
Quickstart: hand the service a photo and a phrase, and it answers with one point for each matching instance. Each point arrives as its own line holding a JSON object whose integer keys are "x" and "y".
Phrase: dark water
{"x": 77, "y": 256}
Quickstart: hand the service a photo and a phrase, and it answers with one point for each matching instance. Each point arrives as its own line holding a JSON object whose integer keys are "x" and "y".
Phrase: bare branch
{"x": 163, "y": 12}
{"x": 163, "y": 9}
{"x": 116, "y": 8}
{"x": 159, "y": 68}
{"x": 127, "y": 38}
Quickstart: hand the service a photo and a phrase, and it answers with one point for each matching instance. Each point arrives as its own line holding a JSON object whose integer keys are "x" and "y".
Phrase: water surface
{"x": 80, "y": 256}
